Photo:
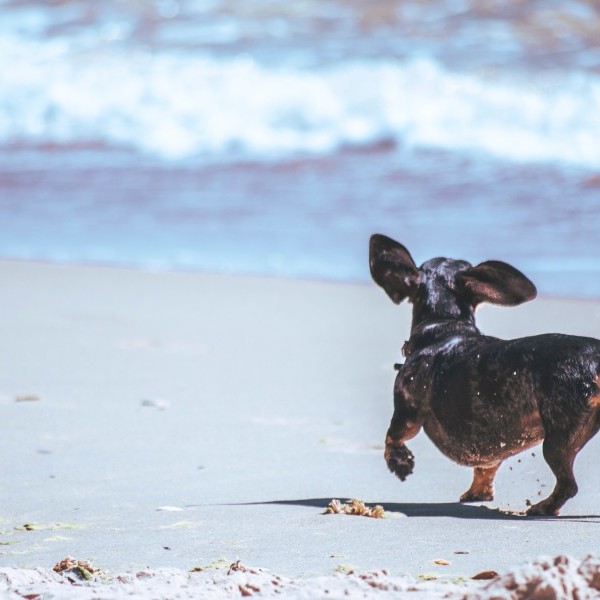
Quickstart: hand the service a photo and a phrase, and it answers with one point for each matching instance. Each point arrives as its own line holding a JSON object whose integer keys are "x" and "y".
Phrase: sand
{"x": 160, "y": 421}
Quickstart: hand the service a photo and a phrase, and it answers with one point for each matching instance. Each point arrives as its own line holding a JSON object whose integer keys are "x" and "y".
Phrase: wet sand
{"x": 167, "y": 420}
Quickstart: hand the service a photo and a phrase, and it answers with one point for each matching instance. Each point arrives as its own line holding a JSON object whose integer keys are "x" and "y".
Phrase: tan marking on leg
{"x": 408, "y": 431}
{"x": 531, "y": 420}
{"x": 482, "y": 488}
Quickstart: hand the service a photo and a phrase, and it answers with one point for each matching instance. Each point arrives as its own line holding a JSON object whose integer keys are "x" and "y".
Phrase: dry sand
{"x": 158, "y": 421}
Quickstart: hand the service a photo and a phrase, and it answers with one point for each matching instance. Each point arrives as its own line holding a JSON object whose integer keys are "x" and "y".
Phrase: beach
{"x": 194, "y": 360}
{"x": 172, "y": 420}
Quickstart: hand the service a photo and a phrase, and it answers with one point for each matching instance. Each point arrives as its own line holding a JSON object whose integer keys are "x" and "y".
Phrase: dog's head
{"x": 443, "y": 288}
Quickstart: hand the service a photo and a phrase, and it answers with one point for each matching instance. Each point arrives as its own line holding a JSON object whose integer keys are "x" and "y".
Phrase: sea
{"x": 273, "y": 138}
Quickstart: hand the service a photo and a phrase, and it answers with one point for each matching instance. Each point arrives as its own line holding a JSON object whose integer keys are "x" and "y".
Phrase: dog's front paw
{"x": 400, "y": 460}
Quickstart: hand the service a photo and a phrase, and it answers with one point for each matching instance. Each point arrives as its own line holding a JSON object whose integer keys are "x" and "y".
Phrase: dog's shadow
{"x": 456, "y": 510}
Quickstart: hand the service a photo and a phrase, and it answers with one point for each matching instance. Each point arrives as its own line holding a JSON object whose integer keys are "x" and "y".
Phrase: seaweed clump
{"x": 355, "y": 507}
{"x": 82, "y": 568}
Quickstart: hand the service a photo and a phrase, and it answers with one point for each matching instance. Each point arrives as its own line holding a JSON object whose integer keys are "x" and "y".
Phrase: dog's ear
{"x": 496, "y": 282}
{"x": 392, "y": 267}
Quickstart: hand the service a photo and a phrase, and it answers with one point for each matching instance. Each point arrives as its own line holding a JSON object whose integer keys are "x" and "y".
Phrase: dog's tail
{"x": 595, "y": 397}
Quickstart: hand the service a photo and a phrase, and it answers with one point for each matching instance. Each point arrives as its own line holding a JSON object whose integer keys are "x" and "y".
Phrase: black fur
{"x": 478, "y": 398}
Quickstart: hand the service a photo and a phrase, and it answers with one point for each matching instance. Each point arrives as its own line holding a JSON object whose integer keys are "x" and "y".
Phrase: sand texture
{"x": 159, "y": 421}
{"x": 544, "y": 579}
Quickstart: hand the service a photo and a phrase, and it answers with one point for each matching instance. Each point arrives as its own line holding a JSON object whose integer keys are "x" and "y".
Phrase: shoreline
{"x": 258, "y": 275}
{"x": 165, "y": 419}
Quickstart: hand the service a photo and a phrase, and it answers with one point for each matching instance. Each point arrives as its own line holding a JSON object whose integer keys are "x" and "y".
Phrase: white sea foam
{"x": 180, "y": 105}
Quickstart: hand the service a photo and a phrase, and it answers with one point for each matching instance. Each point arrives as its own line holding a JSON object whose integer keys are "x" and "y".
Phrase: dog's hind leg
{"x": 560, "y": 449}
{"x": 560, "y": 459}
{"x": 405, "y": 424}
{"x": 482, "y": 488}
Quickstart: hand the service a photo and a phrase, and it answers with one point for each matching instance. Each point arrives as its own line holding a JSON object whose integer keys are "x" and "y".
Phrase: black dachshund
{"x": 481, "y": 399}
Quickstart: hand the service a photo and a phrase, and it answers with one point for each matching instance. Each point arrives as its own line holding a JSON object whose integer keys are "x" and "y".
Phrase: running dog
{"x": 481, "y": 399}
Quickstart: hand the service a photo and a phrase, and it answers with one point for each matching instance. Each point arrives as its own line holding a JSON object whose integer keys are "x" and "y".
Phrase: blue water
{"x": 267, "y": 138}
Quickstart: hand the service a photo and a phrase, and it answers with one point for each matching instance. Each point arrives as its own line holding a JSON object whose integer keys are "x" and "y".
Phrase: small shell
{"x": 486, "y": 575}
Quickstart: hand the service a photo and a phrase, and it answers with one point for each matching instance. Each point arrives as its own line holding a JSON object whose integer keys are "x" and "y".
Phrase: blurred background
{"x": 269, "y": 137}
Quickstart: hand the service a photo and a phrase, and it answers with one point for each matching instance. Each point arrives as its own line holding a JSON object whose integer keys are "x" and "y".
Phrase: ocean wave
{"x": 181, "y": 105}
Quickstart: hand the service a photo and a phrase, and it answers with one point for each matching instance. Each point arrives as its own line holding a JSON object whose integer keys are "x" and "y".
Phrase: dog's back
{"x": 485, "y": 399}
